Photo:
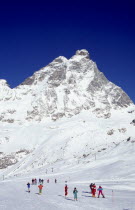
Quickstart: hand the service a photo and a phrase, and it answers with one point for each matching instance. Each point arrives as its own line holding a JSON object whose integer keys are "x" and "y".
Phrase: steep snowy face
{"x": 63, "y": 88}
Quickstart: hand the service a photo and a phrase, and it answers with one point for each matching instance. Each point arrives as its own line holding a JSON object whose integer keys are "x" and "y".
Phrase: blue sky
{"x": 33, "y": 34}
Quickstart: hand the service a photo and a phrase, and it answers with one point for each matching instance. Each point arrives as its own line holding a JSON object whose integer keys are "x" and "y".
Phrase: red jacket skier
{"x": 93, "y": 190}
{"x": 40, "y": 188}
{"x": 66, "y": 190}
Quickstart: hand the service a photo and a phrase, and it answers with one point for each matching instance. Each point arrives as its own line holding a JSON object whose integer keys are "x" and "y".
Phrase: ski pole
{"x": 112, "y": 196}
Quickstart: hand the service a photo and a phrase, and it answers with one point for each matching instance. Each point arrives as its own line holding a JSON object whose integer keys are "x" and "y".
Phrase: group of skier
{"x": 75, "y": 191}
{"x": 93, "y": 190}
{"x": 34, "y": 181}
{"x": 40, "y": 186}
{"x": 41, "y": 181}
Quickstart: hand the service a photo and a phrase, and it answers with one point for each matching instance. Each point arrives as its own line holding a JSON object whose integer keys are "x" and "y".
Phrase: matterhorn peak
{"x": 83, "y": 52}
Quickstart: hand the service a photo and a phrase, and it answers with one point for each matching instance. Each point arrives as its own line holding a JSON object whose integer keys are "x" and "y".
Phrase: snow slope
{"x": 108, "y": 170}
{"x": 73, "y": 140}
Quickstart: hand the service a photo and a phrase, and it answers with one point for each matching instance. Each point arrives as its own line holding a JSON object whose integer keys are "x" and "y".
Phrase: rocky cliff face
{"x": 63, "y": 88}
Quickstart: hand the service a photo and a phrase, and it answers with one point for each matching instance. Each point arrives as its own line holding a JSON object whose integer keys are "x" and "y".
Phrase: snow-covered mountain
{"x": 66, "y": 112}
{"x": 63, "y": 88}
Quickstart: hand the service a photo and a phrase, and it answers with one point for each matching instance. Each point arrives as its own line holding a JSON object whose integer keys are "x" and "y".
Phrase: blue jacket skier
{"x": 28, "y": 185}
{"x": 75, "y": 193}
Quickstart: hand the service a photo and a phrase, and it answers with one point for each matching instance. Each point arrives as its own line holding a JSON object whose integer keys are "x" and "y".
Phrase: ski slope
{"x": 14, "y": 196}
{"x": 115, "y": 173}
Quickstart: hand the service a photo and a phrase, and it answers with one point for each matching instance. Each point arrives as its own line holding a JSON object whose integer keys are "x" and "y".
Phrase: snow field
{"x": 116, "y": 176}
{"x": 14, "y": 196}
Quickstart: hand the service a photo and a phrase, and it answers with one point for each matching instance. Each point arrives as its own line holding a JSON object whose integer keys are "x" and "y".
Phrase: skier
{"x": 32, "y": 181}
{"x": 93, "y": 190}
{"x": 28, "y": 185}
{"x": 55, "y": 180}
{"x": 47, "y": 180}
{"x": 40, "y": 188}
{"x": 35, "y": 181}
{"x": 75, "y": 193}
{"x": 66, "y": 190}
{"x": 91, "y": 187}
{"x": 100, "y": 189}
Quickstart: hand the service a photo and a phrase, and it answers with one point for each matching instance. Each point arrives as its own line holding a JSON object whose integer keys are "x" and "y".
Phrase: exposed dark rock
{"x": 83, "y": 53}
{"x": 57, "y": 116}
{"x": 59, "y": 75}
{"x": 133, "y": 122}
{"x": 23, "y": 151}
{"x": 42, "y": 76}
{"x": 29, "y": 80}
{"x": 122, "y": 130}
{"x": 129, "y": 139}
{"x": 7, "y": 160}
{"x": 110, "y": 132}
{"x": 8, "y": 120}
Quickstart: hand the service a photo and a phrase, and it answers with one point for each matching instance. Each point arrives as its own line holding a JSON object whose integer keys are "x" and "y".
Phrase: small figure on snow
{"x": 75, "y": 193}
{"x": 66, "y": 190}
{"x": 35, "y": 181}
{"x": 100, "y": 191}
{"x": 40, "y": 188}
{"x": 32, "y": 181}
{"x": 55, "y": 181}
{"x": 93, "y": 190}
{"x": 28, "y": 185}
{"x": 91, "y": 187}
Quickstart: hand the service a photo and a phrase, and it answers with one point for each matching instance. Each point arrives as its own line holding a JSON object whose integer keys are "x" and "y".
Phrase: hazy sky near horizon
{"x": 32, "y": 34}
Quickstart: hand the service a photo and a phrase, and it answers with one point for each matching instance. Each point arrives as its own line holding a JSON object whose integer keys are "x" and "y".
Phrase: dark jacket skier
{"x": 28, "y": 185}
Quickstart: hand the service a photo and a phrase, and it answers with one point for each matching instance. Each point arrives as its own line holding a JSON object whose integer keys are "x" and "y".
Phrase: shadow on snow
{"x": 70, "y": 199}
{"x": 87, "y": 196}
